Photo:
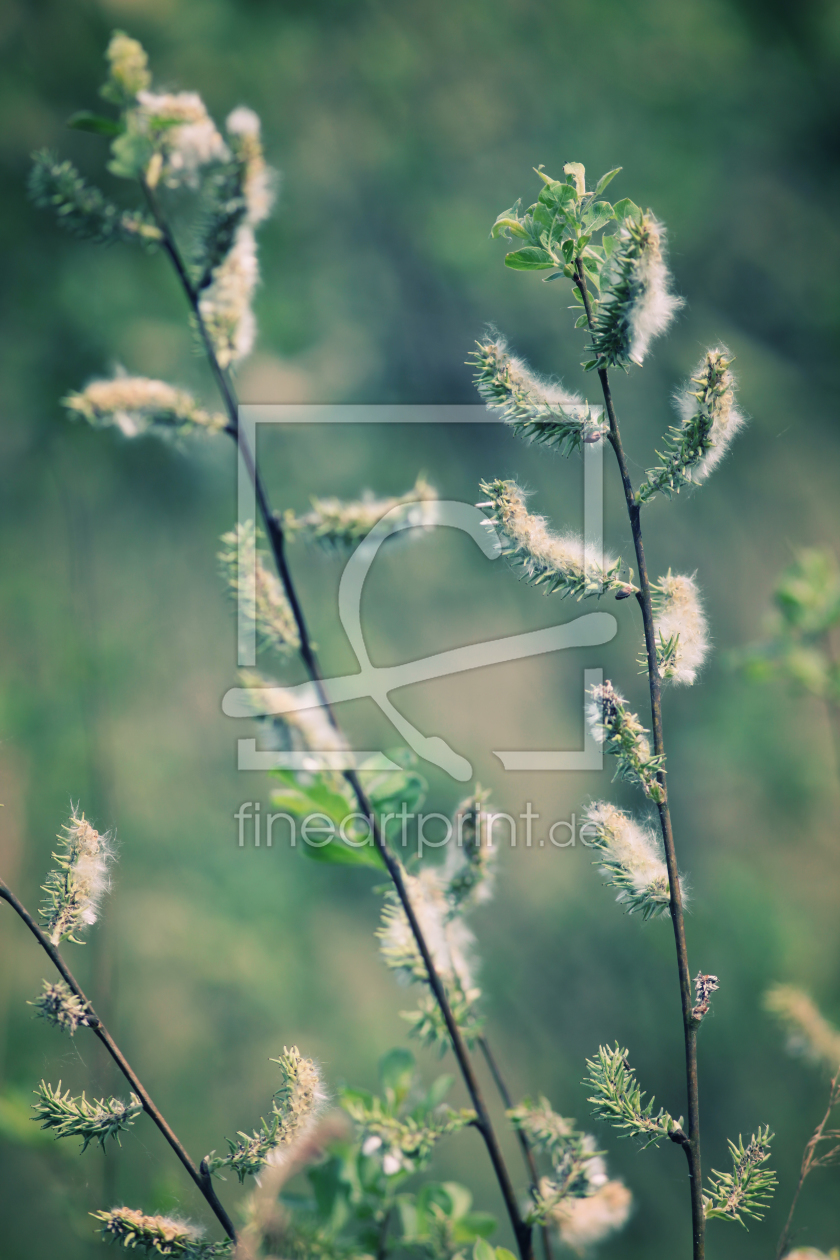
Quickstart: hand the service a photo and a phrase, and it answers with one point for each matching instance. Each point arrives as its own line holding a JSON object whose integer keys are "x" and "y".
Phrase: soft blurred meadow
{"x": 401, "y": 131}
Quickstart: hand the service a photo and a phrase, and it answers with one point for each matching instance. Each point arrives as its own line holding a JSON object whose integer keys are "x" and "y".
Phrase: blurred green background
{"x": 401, "y": 131}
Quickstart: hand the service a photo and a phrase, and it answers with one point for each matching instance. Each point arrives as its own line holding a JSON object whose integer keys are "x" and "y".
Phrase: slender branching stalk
{"x": 524, "y": 1143}
{"x": 644, "y": 597}
{"x": 200, "y": 1175}
{"x": 814, "y": 1156}
{"x": 273, "y": 525}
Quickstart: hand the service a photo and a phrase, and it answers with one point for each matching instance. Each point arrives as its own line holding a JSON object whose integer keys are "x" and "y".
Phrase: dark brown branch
{"x": 692, "y": 1149}
{"x": 524, "y": 1144}
{"x": 199, "y": 1175}
{"x": 274, "y": 531}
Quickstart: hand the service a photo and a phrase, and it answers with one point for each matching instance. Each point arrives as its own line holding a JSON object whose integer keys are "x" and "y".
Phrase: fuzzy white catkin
{"x": 225, "y": 304}
{"x": 809, "y": 1032}
{"x": 713, "y": 379}
{"x": 167, "y": 1235}
{"x": 563, "y": 557}
{"x": 190, "y": 140}
{"x": 521, "y": 378}
{"x": 603, "y": 701}
{"x": 655, "y": 306}
{"x": 243, "y": 127}
{"x": 450, "y": 941}
{"x": 583, "y": 1222}
{"x": 76, "y": 889}
{"x": 134, "y": 404}
{"x": 642, "y": 877}
{"x": 678, "y": 612}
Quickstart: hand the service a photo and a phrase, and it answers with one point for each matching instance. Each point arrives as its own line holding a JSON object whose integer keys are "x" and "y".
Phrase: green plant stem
{"x": 692, "y": 1149}
{"x": 199, "y": 1175}
{"x": 810, "y": 1160}
{"x": 524, "y": 1144}
{"x": 276, "y": 538}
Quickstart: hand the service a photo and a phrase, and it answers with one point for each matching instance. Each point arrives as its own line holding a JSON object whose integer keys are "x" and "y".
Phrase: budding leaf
{"x": 84, "y": 120}
{"x": 530, "y": 259}
{"x": 606, "y": 179}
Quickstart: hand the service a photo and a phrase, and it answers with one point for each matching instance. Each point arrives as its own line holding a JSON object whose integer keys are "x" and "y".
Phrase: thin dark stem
{"x": 276, "y": 538}
{"x": 199, "y": 1175}
{"x": 692, "y": 1149}
{"x": 524, "y": 1144}
{"x": 810, "y": 1160}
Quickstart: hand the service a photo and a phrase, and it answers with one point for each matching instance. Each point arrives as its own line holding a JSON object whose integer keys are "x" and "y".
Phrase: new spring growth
{"x": 339, "y": 526}
{"x": 709, "y": 420}
{"x": 449, "y": 940}
{"x": 630, "y": 860}
{"x": 59, "y": 1006}
{"x": 470, "y": 867}
{"x": 799, "y": 643}
{"x": 451, "y": 944}
{"x": 399, "y": 1129}
{"x": 536, "y": 409}
{"x": 408, "y": 1143}
{"x": 164, "y": 137}
{"x": 680, "y": 626}
{"x": 136, "y": 405}
{"x": 82, "y": 208}
{"x": 75, "y": 889}
{"x": 295, "y": 1108}
{"x": 809, "y": 1033}
{"x": 258, "y": 592}
{"x": 618, "y": 1099}
{"x": 556, "y": 562}
{"x": 162, "y": 1235}
{"x": 128, "y": 67}
{"x": 579, "y": 1177}
{"x": 230, "y": 267}
{"x": 76, "y": 1117}
{"x": 623, "y": 736}
{"x": 636, "y": 302}
{"x": 747, "y": 1190}
{"x": 704, "y": 987}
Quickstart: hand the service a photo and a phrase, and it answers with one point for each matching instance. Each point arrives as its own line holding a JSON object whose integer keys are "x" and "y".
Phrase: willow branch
{"x": 276, "y": 538}
{"x": 199, "y": 1175}
{"x": 524, "y": 1144}
{"x": 692, "y": 1149}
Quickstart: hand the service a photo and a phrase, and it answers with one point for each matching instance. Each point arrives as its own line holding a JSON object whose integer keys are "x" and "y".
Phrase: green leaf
{"x": 558, "y": 275}
{"x": 337, "y": 853}
{"x": 474, "y": 1225}
{"x": 482, "y": 1250}
{"x": 530, "y": 259}
{"x": 581, "y": 321}
{"x": 606, "y": 179}
{"x": 513, "y": 226}
{"x": 626, "y": 209}
{"x": 598, "y": 217}
{"x": 546, "y": 179}
{"x": 396, "y": 1075}
{"x": 460, "y": 1198}
{"x": 502, "y": 1253}
{"x": 437, "y": 1092}
{"x": 575, "y": 173}
{"x": 84, "y": 120}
